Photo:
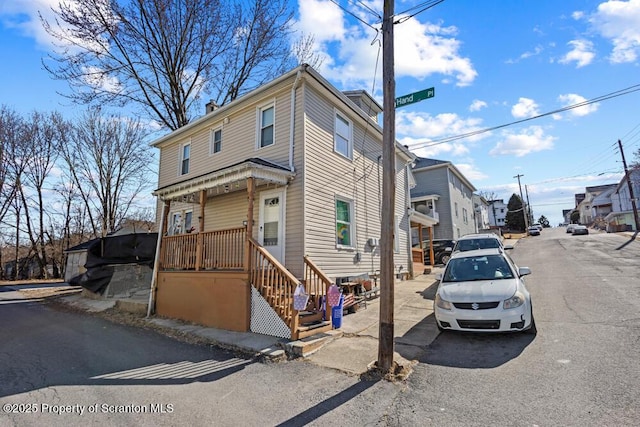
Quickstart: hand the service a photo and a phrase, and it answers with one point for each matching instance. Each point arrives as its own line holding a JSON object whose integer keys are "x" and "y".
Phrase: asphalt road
{"x": 581, "y": 369}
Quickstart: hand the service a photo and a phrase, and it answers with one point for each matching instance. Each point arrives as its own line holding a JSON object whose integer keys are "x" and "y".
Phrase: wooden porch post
{"x": 165, "y": 215}
{"x": 203, "y": 200}
{"x": 431, "y": 245}
{"x": 420, "y": 240}
{"x": 250, "y": 200}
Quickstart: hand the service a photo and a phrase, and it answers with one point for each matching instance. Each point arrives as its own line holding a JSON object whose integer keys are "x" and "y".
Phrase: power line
{"x": 615, "y": 94}
{"x": 354, "y": 15}
{"x": 424, "y": 6}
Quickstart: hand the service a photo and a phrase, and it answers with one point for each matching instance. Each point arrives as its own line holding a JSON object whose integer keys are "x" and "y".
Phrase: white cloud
{"x": 528, "y": 54}
{"x": 477, "y": 105}
{"x": 582, "y": 53}
{"x": 351, "y": 49}
{"x": 470, "y": 172}
{"x": 529, "y": 140}
{"x": 525, "y": 108}
{"x": 619, "y": 21}
{"x": 573, "y": 99}
{"x": 426, "y": 126}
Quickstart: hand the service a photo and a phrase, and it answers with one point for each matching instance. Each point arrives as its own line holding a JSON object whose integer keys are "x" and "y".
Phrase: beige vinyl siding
{"x": 239, "y": 130}
{"x": 225, "y": 211}
{"x": 328, "y": 174}
{"x": 294, "y": 214}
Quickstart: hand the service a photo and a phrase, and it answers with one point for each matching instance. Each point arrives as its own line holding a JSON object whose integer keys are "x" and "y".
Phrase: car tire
{"x": 444, "y": 258}
{"x": 532, "y": 330}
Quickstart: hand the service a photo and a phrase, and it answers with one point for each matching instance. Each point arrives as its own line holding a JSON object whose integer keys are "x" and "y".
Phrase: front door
{"x": 271, "y": 228}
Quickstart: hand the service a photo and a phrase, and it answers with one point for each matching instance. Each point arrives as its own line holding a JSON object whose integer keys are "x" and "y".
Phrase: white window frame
{"x": 351, "y": 223}
{"x": 259, "y": 127}
{"x": 348, "y": 138}
{"x": 212, "y": 141}
{"x": 182, "y": 159}
{"x": 178, "y": 224}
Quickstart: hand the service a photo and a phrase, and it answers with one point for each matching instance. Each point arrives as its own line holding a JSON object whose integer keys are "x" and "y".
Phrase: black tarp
{"x": 103, "y": 253}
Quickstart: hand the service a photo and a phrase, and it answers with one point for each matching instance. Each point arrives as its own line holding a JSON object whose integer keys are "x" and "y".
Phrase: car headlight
{"x": 443, "y": 304}
{"x": 515, "y": 301}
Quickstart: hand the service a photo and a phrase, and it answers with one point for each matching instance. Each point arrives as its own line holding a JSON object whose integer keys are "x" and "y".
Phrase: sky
{"x": 495, "y": 66}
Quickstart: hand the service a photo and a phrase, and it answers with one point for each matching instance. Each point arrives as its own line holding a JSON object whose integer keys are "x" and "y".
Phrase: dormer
{"x": 366, "y": 103}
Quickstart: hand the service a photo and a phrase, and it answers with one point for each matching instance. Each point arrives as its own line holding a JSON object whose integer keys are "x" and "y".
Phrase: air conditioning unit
{"x": 373, "y": 242}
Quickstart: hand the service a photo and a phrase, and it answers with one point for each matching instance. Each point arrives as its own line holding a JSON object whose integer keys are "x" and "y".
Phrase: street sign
{"x": 415, "y": 97}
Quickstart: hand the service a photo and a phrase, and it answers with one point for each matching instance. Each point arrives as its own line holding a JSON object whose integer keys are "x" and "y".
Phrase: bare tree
{"x": 164, "y": 55}
{"x": 44, "y": 135}
{"x": 109, "y": 163}
{"x": 11, "y": 129}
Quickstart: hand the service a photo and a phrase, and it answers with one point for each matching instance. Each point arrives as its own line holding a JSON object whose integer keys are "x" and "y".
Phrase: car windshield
{"x": 480, "y": 243}
{"x": 491, "y": 267}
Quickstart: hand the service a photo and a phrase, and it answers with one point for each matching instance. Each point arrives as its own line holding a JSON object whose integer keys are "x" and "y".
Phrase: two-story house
{"x": 497, "y": 213}
{"x": 443, "y": 188}
{"x": 280, "y": 187}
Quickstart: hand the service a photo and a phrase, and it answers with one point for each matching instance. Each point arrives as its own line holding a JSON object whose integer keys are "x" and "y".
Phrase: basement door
{"x": 271, "y": 228}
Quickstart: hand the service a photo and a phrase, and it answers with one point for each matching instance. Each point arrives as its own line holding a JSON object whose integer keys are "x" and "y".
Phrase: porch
{"x": 227, "y": 280}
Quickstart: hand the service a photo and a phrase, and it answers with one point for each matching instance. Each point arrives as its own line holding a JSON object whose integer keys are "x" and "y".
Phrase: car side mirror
{"x": 508, "y": 247}
{"x": 438, "y": 276}
{"x": 523, "y": 271}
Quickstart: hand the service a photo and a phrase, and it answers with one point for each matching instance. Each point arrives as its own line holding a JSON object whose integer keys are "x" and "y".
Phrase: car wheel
{"x": 444, "y": 258}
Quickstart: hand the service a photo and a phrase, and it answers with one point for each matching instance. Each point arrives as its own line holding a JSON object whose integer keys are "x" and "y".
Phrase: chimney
{"x": 211, "y": 106}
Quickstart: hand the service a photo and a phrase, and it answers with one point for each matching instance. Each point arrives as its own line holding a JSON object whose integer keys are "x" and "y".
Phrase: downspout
{"x": 156, "y": 263}
{"x": 407, "y": 208}
{"x": 292, "y": 120}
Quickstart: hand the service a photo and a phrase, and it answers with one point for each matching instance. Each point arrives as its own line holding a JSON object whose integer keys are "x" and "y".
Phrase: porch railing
{"x": 209, "y": 250}
{"x": 317, "y": 284}
{"x": 275, "y": 283}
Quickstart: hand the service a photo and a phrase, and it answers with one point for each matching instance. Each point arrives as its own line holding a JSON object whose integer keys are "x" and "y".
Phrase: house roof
{"x": 260, "y": 169}
{"x": 603, "y": 198}
{"x": 422, "y": 163}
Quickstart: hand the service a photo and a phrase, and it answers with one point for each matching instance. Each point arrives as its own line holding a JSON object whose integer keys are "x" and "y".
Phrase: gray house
{"x": 449, "y": 192}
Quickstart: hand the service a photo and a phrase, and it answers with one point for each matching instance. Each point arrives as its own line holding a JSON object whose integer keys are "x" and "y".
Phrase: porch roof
{"x": 422, "y": 219}
{"x": 263, "y": 171}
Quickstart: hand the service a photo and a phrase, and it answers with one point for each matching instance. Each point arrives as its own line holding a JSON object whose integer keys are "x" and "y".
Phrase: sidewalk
{"x": 351, "y": 349}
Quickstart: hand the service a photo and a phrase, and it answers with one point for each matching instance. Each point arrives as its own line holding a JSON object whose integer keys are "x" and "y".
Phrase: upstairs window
{"x": 185, "y": 157}
{"x": 266, "y": 120}
{"x": 343, "y": 143}
{"x": 215, "y": 142}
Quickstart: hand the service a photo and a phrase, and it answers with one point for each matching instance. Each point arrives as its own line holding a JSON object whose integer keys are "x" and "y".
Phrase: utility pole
{"x": 524, "y": 207}
{"x": 633, "y": 198}
{"x": 385, "y": 342}
{"x": 529, "y": 210}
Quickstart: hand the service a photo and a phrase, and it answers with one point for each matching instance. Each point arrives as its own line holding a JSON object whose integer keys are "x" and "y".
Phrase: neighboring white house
{"x": 497, "y": 212}
{"x": 481, "y": 210}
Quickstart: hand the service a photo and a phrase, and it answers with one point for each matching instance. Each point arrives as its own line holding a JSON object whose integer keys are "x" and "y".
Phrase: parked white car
{"x": 475, "y": 241}
{"x": 483, "y": 291}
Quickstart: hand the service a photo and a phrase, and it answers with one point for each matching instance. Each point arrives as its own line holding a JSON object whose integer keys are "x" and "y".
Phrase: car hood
{"x": 478, "y": 291}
